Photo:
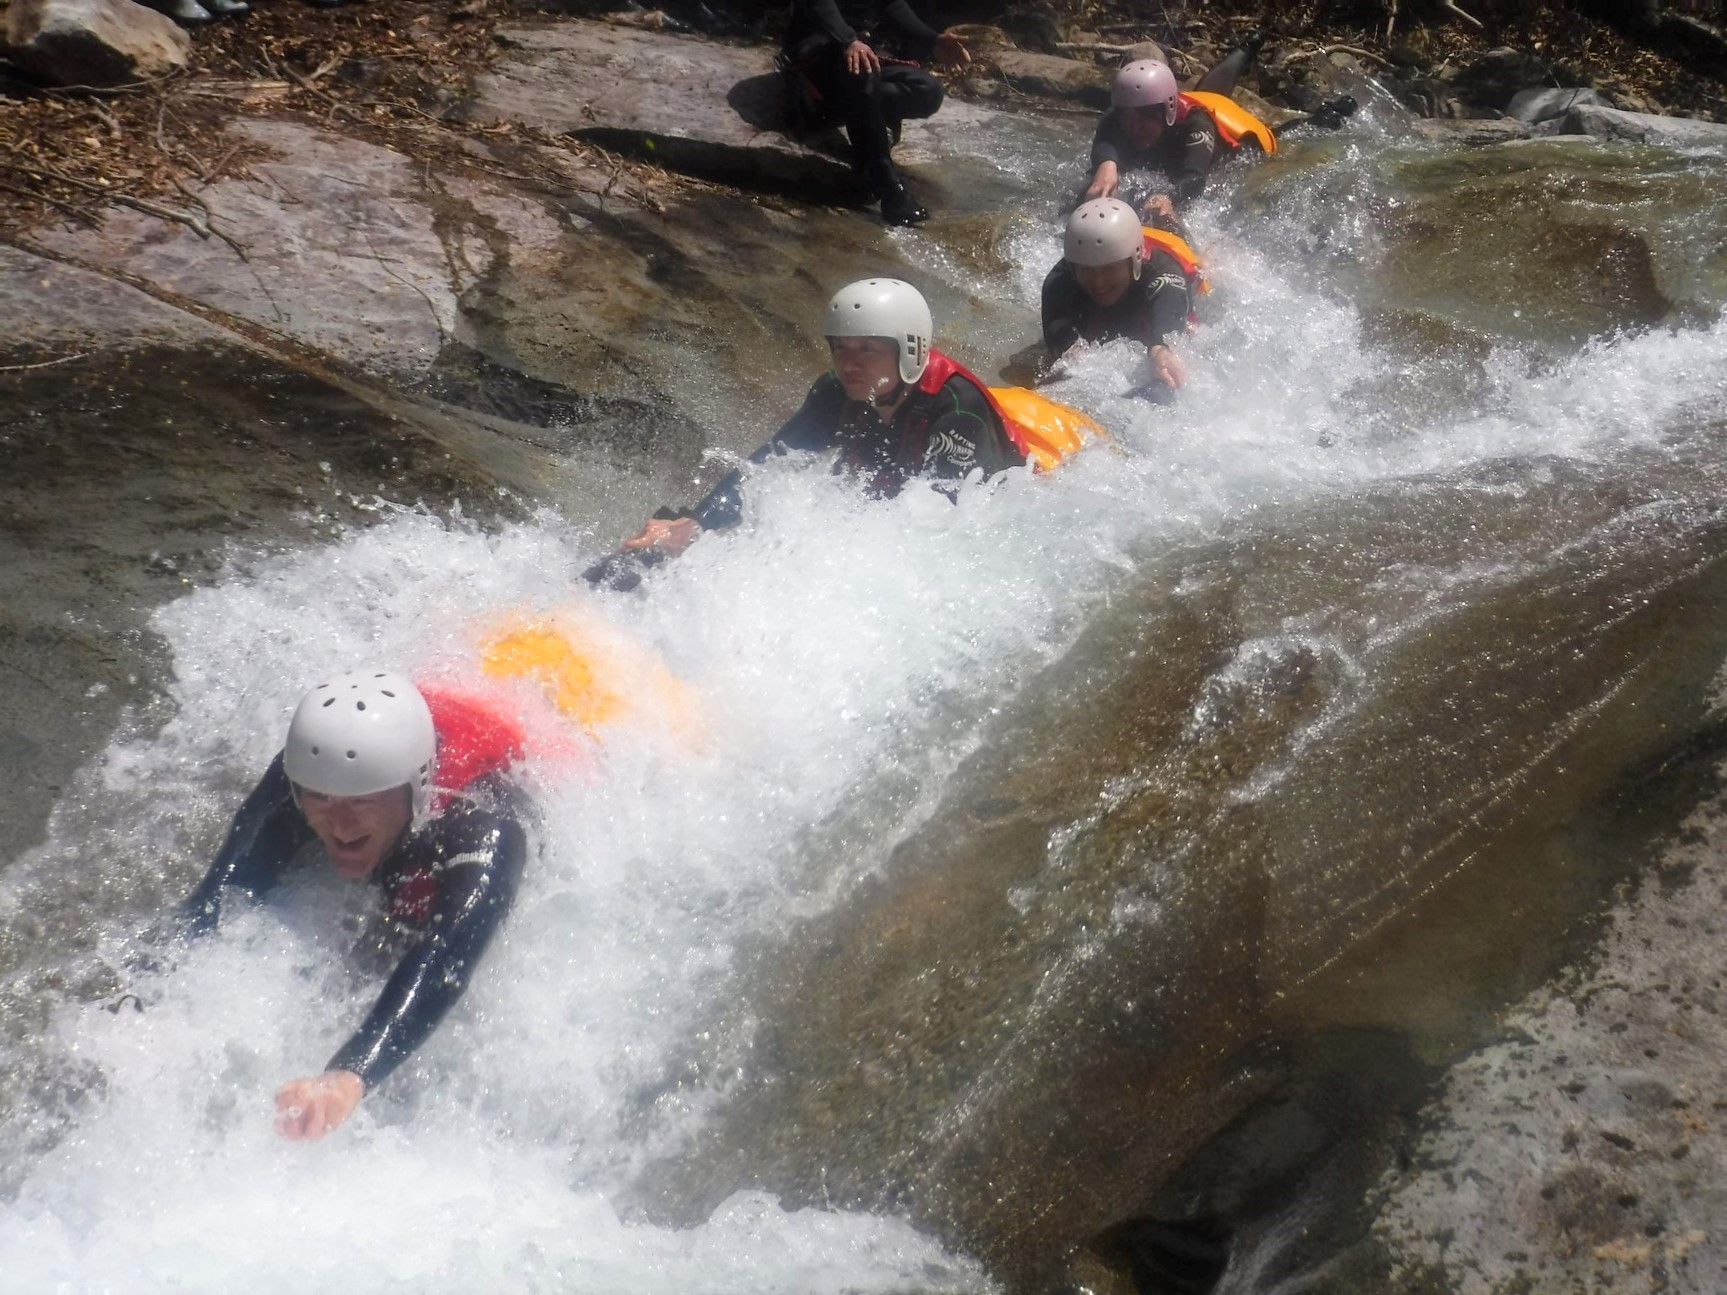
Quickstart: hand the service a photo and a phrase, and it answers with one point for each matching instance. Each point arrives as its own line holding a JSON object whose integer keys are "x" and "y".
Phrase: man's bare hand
{"x": 861, "y": 58}
{"x": 950, "y": 53}
{"x": 307, "y": 1109}
{"x": 671, "y": 537}
{"x": 1104, "y": 182}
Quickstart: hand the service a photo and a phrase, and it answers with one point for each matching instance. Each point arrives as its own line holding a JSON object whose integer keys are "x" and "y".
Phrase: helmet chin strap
{"x": 892, "y": 397}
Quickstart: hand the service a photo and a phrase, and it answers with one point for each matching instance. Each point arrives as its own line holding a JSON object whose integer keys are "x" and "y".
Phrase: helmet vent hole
{"x": 353, "y": 755}
{"x": 329, "y": 701}
{"x": 386, "y": 692}
{"x": 317, "y": 750}
{"x": 359, "y": 705}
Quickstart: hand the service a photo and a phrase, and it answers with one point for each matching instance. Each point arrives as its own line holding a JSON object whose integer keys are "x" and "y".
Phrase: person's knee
{"x": 917, "y": 95}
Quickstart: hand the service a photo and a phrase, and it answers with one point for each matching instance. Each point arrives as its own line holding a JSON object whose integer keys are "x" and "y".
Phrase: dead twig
{"x": 1450, "y": 6}
{"x": 45, "y": 364}
{"x": 1321, "y": 51}
{"x": 82, "y": 213}
{"x": 108, "y": 119}
{"x": 202, "y": 228}
{"x": 1081, "y": 47}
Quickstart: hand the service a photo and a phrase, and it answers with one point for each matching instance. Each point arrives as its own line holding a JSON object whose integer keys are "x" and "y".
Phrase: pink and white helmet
{"x": 1146, "y": 84}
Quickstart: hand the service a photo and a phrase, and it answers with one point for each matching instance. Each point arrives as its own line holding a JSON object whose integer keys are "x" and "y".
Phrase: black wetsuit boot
{"x": 188, "y": 13}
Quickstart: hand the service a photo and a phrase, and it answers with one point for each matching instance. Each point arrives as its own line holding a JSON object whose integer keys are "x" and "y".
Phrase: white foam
{"x": 845, "y": 654}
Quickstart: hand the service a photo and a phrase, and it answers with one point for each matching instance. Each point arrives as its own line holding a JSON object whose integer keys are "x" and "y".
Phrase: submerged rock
{"x": 1637, "y": 127}
{"x": 94, "y": 42}
{"x": 1545, "y": 103}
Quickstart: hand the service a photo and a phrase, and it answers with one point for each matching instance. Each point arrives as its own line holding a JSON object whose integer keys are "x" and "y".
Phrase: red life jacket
{"x": 473, "y": 739}
{"x": 941, "y": 367}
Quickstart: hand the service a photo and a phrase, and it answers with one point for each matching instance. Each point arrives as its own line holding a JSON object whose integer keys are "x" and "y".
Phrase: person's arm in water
{"x": 811, "y": 428}
{"x": 1167, "y": 303}
{"x": 477, "y": 856}
{"x": 1193, "y": 150}
{"x": 1063, "y": 309}
{"x": 266, "y": 833}
{"x": 1105, "y": 159}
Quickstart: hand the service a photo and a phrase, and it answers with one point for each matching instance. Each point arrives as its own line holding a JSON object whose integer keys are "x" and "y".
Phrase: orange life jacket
{"x": 1162, "y": 240}
{"x": 941, "y": 367}
{"x": 1234, "y": 123}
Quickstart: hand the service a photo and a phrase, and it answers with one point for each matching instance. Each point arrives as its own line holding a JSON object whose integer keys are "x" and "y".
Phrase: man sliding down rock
{"x": 833, "y": 50}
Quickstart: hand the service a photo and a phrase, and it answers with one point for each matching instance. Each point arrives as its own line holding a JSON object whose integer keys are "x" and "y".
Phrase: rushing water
{"x": 1387, "y": 429}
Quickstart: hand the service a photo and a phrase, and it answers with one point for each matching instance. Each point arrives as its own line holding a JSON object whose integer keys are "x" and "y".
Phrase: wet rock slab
{"x": 1588, "y": 1151}
{"x": 705, "y": 109}
{"x": 687, "y": 103}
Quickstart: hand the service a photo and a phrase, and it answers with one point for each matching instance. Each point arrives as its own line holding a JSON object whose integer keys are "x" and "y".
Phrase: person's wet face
{"x": 1105, "y": 284}
{"x": 1143, "y": 126}
{"x": 867, "y": 367}
{"x": 358, "y": 831}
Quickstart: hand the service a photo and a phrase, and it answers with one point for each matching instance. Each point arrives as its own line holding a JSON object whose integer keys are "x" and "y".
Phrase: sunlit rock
{"x": 1637, "y": 127}
{"x": 94, "y": 42}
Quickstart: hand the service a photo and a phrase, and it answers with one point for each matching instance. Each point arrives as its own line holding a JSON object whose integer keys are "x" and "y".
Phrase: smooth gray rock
{"x": 689, "y": 104}
{"x": 94, "y": 42}
{"x": 1545, "y": 103}
{"x": 1055, "y": 78}
{"x": 1471, "y": 133}
{"x": 1638, "y": 127}
{"x": 343, "y": 250}
{"x": 59, "y": 310}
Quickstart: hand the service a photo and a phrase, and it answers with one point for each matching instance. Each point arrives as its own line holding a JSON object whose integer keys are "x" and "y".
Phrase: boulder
{"x": 1545, "y": 103}
{"x": 1499, "y": 74}
{"x": 1472, "y": 133}
{"x": 1636, "y": 127}
{"x": 1055, "y": 78}
{"x": 94, "y": 42}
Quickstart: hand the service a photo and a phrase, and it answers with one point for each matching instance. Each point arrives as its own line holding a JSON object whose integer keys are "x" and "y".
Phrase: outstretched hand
{"x": 307, "y": 1109}
{"x": 1168, "y": 367}
{"x": 671, "y": 536}
{"x": 950, "y": 52}
{"x": 1104, "y": 182}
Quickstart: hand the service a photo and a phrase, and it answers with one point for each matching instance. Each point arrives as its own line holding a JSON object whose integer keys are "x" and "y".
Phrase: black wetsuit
{"x": 446, "y": 888}
{"x": 945, "y": 435}
{"x": 1154, "y": 307}
{"x": 870, "y": 105}
{"x": 1183, "y": 153}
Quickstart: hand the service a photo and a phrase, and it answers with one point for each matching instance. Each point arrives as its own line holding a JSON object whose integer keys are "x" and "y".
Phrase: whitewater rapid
{"x": 843, "y": 656}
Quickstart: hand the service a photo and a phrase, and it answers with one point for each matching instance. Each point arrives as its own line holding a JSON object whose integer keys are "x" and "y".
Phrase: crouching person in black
{"x": 861, "y": 62}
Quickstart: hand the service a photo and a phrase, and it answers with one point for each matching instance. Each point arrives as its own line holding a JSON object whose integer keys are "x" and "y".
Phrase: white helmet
{"x": 361, "y": 733}
{"x": 1102, "y": 232}
{"x": 888, "y": 308}
{"x": 1146, "y": 84}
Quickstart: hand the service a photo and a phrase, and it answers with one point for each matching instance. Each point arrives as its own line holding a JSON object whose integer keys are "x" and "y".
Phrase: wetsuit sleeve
{"x": 811, "y": 429}
{"x": 478, "y": 856}
{"x": 919, "y": 36}
{"x": 825, "y": 16}
{"x": 1063, "y": 309}
{"x": 1195, "y": 150}
{"x": 966, "y": 435}
{"x": 266, "y": 833}
{"x": 1105, "y": 144}
{"x": 1166, "y": 299}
